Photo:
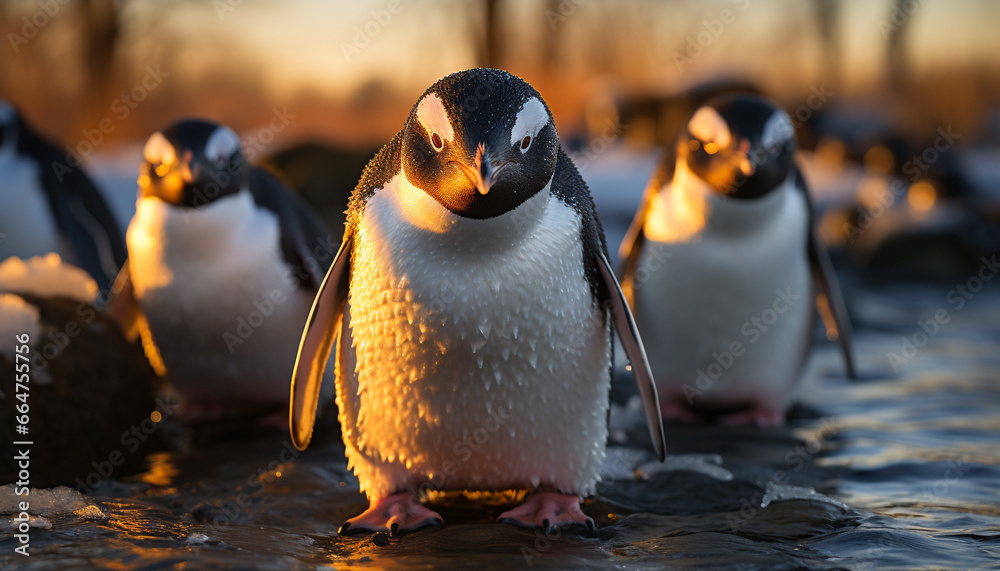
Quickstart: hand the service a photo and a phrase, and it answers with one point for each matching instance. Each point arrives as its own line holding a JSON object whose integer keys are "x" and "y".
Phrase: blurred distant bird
{"x": 474, "y": 304}
{"x": 47, "y": 205}
{"x": 723, "y": 266}
{"x": 224, "y": 264}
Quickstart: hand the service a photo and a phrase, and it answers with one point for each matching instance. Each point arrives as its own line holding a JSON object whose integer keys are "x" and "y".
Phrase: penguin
{"x": 472, "y": 306}
{"x": 47, "y": 205}
{"x": 723, "y": 266}
{"x": 223, "y": 265}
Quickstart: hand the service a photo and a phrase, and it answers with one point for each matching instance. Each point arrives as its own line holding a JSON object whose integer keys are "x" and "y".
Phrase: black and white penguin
{"x": 46, "y": 205}
{"x": 472, "y": 303}
{"x": 223, "y": 266}
{"x": 724, "y": 268}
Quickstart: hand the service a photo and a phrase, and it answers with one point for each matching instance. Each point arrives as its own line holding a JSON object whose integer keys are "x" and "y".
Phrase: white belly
{"x": 482, "y": 362}
{"x": 223, "y": 307}
{"x": 725, "y": 315}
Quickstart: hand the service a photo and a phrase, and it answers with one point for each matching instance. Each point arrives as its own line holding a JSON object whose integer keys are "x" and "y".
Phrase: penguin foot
{"x": 673, "y": 411}
{"x": 757, "y": 416}
{"x": 548, "y": 511}
{"x": 396, "y": 514}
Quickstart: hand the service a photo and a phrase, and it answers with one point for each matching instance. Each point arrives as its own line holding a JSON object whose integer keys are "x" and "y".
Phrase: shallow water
{"x": 906, "y": 468}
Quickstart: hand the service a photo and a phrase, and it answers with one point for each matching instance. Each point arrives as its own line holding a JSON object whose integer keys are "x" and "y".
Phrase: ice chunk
{"x": 621, "y": 463}
{"x": 707, "y": 464}
{"x": 50, "y": 502}
{"x": 46, "y": 276}
{"x": 777, "y": 493}
{"x": 33, "y": 521}
{"x": 197, "y": 539}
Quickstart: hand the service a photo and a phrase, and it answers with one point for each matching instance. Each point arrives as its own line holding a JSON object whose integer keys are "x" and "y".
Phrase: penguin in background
{"x": 472, "y": 297}
{"x": 223, "y": 265}
{"x": 725, "y": 270}
{"x": 46, "y": 205}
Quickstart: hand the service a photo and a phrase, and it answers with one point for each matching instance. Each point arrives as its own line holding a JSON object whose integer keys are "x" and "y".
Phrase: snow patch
{"x": 46, "y": 276}
{"x": 707, "y": 464}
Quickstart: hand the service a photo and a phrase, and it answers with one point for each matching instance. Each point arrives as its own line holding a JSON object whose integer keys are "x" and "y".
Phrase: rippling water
{"x": 905, "y": 466}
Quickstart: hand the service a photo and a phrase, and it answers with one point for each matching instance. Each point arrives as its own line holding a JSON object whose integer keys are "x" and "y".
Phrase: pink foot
{"x": 548, "y": 511}
{"x": 396, "y": 514}
{"x": 762, "y": 417}
{"x": 673, "y": 411}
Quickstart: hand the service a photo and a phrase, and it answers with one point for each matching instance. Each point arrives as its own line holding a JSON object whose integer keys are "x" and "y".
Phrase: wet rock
{"x": 90, "y": 400}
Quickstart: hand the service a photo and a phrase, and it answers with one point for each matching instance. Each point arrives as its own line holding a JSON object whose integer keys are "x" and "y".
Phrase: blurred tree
{"x": 896, "y": 48}
{"x": 99, "y": 33}
{"x": 828, "y": 21}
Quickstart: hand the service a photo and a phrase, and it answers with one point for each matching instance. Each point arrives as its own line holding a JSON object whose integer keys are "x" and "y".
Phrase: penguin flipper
{"x": 301, "y": 228}
{"x": 830, "y": 300}
{"x": 635, "y": 238}
{"x": 86, "y": 222}
{"x": 320, "y": 332}
{"x": 124, "y": 309}
{"x": 631, "y": 246}
{"x": 122, "y": 306}
{"x": 629, "y": 335}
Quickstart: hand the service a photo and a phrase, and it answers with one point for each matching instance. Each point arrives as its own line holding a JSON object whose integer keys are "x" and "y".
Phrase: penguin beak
{"x": 484, "y": 171}
{"x": 166, "y": 180}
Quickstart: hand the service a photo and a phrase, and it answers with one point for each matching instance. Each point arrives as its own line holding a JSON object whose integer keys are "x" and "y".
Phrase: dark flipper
{"x": 317, "y": 342}
{"x": 629, "y": 335}
{"x": 635, "y": 239}
{"x": 830, "y": 301}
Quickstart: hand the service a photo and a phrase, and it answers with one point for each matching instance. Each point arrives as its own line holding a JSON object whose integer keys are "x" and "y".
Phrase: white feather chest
{"x": 482, "y": 361}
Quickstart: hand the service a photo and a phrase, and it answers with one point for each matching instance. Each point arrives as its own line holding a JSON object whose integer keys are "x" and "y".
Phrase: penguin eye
{"x": 525, "y": 143}
{"x": 437, "y": 142}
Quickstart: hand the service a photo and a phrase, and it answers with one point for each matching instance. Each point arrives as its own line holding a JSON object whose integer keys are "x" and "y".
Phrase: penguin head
{"x": 480, "y": 142}
{"x": 741, "y": 145}
{"x": 191, "y": 163}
